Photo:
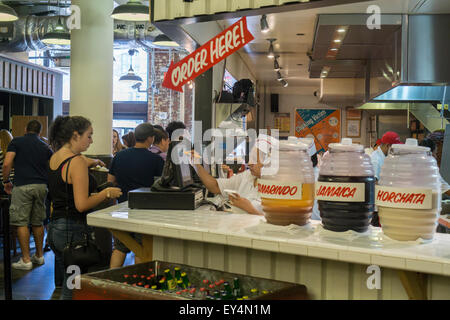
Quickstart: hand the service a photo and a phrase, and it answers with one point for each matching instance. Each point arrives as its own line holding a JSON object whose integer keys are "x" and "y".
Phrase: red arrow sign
{"x": 215, "y": 50}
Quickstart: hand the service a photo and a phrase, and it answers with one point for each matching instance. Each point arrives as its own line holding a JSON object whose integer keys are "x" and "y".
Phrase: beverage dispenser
{"x": 408, "y": 195}
{"x": 287, "y": 197}
{"x": 345, "y": 188}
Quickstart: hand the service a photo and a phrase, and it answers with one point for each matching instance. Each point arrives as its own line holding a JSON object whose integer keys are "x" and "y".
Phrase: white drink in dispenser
{"x": 287, "y": 197}
{"x": 408, "y": 194}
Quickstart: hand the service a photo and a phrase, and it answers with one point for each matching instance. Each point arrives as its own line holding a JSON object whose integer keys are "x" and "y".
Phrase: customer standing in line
{"x": 131, "y": 169}
{"x": 5, "y": 139}
{"x": 116, "y": 143}
{"x": 129, "y": 140}
{"x": 73, "y": 197}
{"x": 29, "y": 156}
{"x": 161, "y": 142}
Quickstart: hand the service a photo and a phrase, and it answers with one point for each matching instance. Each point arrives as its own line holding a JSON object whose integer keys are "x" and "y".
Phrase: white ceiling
{"x": 293, "y": 48}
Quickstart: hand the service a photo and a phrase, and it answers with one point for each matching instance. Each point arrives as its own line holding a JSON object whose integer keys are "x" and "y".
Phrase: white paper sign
{"x": 271, "y": 189}
{"x": 407, "y": 198}
{"x": 340, "y": 192}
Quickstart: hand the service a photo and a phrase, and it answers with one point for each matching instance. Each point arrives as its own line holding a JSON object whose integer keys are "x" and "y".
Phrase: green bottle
{"x": 217, "y": 295}
{"x": 177, "y": 273}
{"x": 227, "y": 288}
{"x": 186, "y": 283}
{"x": 180, "y": 285}
{"x": 163, "y": 285}
{"x": 171, "y": 282}
{"x": 237, "y": 288}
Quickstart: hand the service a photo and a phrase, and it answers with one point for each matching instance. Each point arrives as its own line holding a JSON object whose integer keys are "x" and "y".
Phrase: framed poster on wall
{"x": 353, "y": 113}
{"x": 353, "y": 128}
{"x": 324, "y": 125}
{"x": 282, "y": 122}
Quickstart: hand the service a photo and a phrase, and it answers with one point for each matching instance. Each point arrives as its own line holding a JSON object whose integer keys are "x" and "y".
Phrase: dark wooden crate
{"x": 108, "y": 285}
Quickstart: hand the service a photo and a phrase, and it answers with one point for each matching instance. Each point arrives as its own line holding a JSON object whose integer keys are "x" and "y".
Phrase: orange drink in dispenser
{"x": 287, "y": 197}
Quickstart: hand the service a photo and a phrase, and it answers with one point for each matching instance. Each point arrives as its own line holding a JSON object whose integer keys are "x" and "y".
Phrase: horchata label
{"x": 340, "y": 192}
{"x": 407, "y": 198}
{"x": 271, "y": 189}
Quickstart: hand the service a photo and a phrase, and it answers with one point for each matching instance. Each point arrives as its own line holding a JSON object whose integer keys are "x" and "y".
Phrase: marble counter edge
{"x": 297, "y": 246}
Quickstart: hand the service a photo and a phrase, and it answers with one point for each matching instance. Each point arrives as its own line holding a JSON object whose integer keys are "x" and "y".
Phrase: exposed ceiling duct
{"x": 27, "y": 33}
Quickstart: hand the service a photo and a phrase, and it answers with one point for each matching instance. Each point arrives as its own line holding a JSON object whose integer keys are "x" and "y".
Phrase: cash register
{"x": 175, "y": 189}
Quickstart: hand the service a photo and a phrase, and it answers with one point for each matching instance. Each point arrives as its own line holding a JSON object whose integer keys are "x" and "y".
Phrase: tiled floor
{"x": 38, "y": 283}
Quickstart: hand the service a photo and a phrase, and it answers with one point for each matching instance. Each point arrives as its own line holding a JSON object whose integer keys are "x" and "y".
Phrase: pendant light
{"x": 7, "y": 14}
{"x": 133, "y": 10}
{"x": 58, "y": 36}
{"x": 131, "y": 78}
{"x": 162, "y": 40}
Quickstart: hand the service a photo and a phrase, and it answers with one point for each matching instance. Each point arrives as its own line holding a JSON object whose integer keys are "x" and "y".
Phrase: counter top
{"x": 250, "y": 231}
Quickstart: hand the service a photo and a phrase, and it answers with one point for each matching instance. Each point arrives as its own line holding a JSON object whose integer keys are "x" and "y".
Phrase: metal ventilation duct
{"x": 27, "y": 32}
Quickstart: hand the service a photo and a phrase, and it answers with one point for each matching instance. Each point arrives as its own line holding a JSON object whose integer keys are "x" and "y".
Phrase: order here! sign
{"x": 212, "y": 52}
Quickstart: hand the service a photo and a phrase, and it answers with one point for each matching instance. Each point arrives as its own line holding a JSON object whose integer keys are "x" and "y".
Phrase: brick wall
{"x": 169, "y": 105}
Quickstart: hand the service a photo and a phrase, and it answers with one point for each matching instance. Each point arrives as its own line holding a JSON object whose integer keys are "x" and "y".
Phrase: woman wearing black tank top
{"x": 70, "y": 188}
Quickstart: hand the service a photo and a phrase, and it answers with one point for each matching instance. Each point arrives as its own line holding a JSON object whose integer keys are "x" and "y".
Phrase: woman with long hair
{"x": 117, "y": 144}
{"x": 5, "y": 139}
{"x": 129, "y": 140}
{"x": 71, "y": 188}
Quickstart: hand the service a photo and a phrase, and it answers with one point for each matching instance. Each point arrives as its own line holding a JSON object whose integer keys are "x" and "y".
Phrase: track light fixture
{"x": 276, "y": 65}
{"x": 279, "y": 76}
{"x": 264, "y": 25}
{"x": 271, "y": 53}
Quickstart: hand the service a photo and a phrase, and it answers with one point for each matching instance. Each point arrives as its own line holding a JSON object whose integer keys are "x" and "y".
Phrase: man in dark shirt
{"x": 29, "y": 155}
{"x": 131, "y": 169}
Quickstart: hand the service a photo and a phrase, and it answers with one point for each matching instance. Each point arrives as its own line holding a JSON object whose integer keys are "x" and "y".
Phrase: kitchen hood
{"x": 405, "y": 61}
{"x": 424, "y": 73}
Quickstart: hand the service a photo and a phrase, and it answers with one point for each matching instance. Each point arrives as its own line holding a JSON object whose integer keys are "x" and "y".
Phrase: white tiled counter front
{"x": 330, "y": 265}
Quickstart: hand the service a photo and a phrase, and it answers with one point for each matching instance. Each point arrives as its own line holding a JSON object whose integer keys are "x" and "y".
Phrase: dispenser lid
{"x": 346, "y": 145}
{"x": 292, "y": 146}
{"x": 411, "y": 145}
{"x": 311, "y": 145}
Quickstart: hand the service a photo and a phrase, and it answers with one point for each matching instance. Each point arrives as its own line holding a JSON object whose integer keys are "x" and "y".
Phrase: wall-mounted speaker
{"x": 274, "y": 102}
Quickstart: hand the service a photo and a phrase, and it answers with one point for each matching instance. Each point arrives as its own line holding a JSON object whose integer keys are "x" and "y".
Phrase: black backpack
{"x": 243, "y": 91}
